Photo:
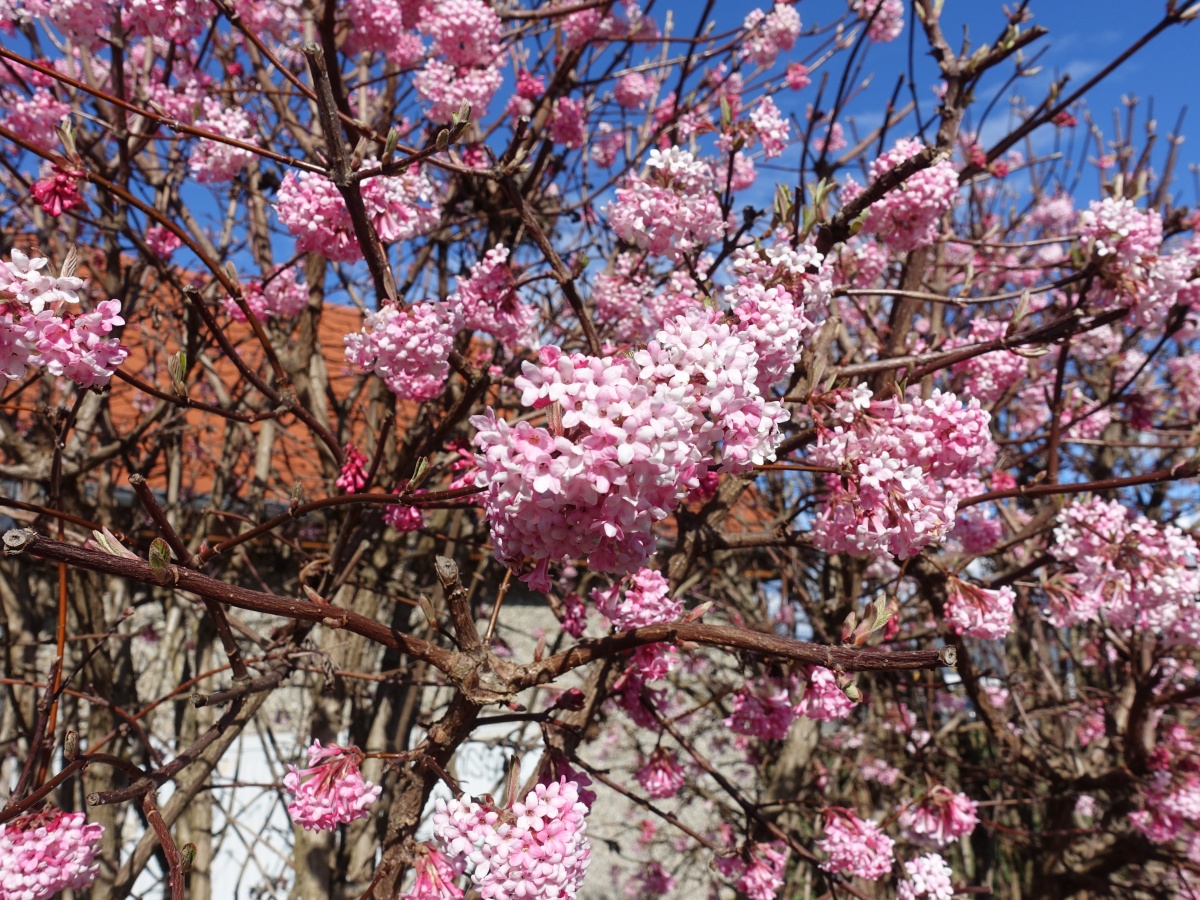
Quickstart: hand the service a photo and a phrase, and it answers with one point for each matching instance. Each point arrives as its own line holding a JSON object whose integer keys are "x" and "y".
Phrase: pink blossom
{"x": 282, "y": 295}
{"x": 639, "y": 429}
{"x": 770, "y": 126}
{"x": 310, "y": 207}
{"x": 769, "y": 34}
{"x": 652, "y": 880}
{"x": 465, "y": 32}
{"x": 58, "y": 191}
{"x": 354, "y": 470}
{"x": 568, "y": 124}
{"x": 34, "y": 118}
{"x": 661, "y": 776}
{"x": 976, "y": 612}
{"x": 162, "y": 241}
{"x": 46, "y": 852}
{"x": 402, "y": 516}
{"x": 759, "y": 871}
{"x": 908, "y": 217}
{"x": 854, "y": 846}
{"x": 929, "y": 878}
{"x": 645, "y": 601}
{"x": 409, "y": 348}
{"x": 434, "y": 879}
{"x": 796, "y": 77}
{"x": 538, "y": 847}
{"x": 606, "y": 145}
{"x": 1132, "y": 572}
{"x": 329, "y": 793}
{"x": 385, "y": 26}
{"x": 941, "y": 816}
{"x": 634, "y": 90}
{"x": 215, "y": 161}
{"x": 763, "y": 709}
{"x": 444, "y": 88}
{"x": 823, "y": 700}
{"x": 897, "y": 463}
{"x": 671, "y": 210}
{"x": 487, "y": 300}
{"x": 886, "y": 18}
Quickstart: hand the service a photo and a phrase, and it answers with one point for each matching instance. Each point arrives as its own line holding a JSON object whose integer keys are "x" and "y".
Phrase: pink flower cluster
{"x": 1172, "y": 796}
{"x": 629, "y": 438}
{"x": 988, "y": 376}
{"x": 213, "y": 161}
{"x": 634, "y": 90}
{"x": 1129, "y": 571}
{"x": 854, "y": 846}
{"x": 941, "y": 817}
{"x": 36, "y": 329}
{"x": 823, "y": 700}
{"x": 44, "y": 853}
{"x": 771, "y": 127}
{"x": 57, "y": 190}
{"x": 769, "y": 34}
{"x": 311, "y": 209}
{"x": 759, "y": 871}
{"x": 177, "y": 20}
{"x": 331, "y": 791}
{"x": 434, "y": 878}
{"x": 672, "y": 209}
{"x": 762, "y": 708}
{"x": 468, "y": 57}
{"x": 646, "y": 600}
{"x": 634, "y": 306}
{"x": 886, "y": 18}
{"x": 487, "y": 300}
{"x": 661, "y": 776}
{"x": 409, "y": 348}
{"x": 354, "y": 470}
{"x": 896, "y": 461}
{"x": 282, "y": 295}
{"x": 929, "y": 878}
{"x": 976, "y": 612}
{"x": 568, "y": 125}
{"x": 1119, "y": 232}
{"x": 34, "y": 118}
{"x": 385, "y": 26}
{"x": 780, "y": 298}
{"x": 908, "y": 216}
{"x": 536, "y": 848}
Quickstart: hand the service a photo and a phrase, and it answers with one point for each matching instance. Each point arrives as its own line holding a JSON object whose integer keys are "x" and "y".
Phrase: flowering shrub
{"x": 657, "y": 403}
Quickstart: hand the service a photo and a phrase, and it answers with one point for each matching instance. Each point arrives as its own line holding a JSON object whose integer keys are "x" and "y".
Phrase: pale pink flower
{"x": 769, "y": 34}
{"x": 976, "y": 612}
{"x": 634, "y": 90}
{"x": 940, "y": 817}
{"x": 44, "y": 853}
{"x": 823, "y": 700}
{"x": 759, "y": 871}
{"x": 538, "y": 847}
{"x": 854, "y": 846}
{"x": 646, "y": 600}
{"x": 331, "y": 791}
{"x": 409, "y": 348}
{"x": 661, "y": 776}
{"x": 762, "y": 708}
{"x": 886, "y": 18}
{"x": 435, "y": 875}
{"x": 929, "y": 878}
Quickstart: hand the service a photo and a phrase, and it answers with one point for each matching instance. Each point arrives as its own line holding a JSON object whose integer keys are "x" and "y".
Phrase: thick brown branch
{"x": 849, "y": 659}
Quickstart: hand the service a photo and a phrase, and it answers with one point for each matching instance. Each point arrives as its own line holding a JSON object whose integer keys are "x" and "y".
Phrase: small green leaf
{"x": 160, "y": 555}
